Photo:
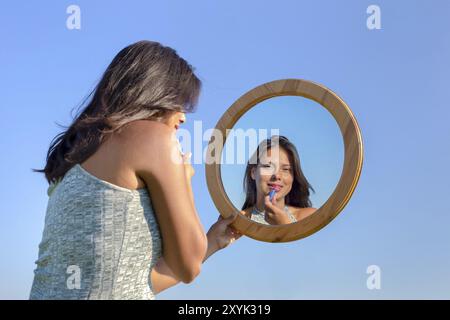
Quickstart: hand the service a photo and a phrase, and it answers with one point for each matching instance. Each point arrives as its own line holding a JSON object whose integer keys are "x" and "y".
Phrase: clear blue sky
{"x": 395, "y": 80}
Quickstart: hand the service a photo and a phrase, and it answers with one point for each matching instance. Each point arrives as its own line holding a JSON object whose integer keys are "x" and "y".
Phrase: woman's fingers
{"x": 230, "y": 219}
{"x": 274, "y": 198}
{"x": 267, "y": 202}
{"x": 187, "y": 157}
{"x": 224, "y": 225}
{"x": 232, "y": 232}
{"x": 271, "y": 209}
{"x": 237, "y": 234}
{"x": 234, "y": 235}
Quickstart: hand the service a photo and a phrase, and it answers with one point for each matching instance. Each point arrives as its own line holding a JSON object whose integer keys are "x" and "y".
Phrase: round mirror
{"x": 285, "y": 157}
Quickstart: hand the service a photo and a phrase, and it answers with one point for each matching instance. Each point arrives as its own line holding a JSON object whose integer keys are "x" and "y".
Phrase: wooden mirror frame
{"x": 353, "y": 160}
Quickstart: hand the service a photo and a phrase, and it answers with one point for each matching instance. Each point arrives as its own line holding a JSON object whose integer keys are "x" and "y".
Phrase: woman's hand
{"x": 221, "y": 234}
{"x": 275, "y": 214}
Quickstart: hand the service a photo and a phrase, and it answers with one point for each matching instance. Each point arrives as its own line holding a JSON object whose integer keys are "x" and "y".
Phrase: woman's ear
{"x": 252, "y": 173}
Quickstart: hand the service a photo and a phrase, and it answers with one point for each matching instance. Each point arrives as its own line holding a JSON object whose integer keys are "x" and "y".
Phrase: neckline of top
{"x": 107, "y": 183}
{"x": 255, "y": 210}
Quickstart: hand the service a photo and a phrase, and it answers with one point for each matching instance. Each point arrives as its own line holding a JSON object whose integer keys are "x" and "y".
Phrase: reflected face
{"x": 175, "y": 119}
{"x": 274, "y": 171}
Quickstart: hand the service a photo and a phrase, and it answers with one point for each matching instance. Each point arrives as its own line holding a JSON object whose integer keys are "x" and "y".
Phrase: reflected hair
{"x": 144, "y": 81}
{"x": 300, "y": 192}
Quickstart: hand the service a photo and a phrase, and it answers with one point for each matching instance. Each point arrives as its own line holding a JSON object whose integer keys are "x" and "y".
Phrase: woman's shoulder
{"x": 136, "y": 146}
{"x": 301, "y": 213}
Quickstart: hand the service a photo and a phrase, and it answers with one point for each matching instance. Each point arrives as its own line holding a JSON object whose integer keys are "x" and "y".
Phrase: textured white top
{"x": 100, "y": 241}
{"x": 260, "y": 217}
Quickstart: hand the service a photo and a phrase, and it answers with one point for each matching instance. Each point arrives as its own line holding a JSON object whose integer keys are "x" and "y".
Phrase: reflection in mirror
{"x": 276, "y": 191}
{"x": 293, "y": 152}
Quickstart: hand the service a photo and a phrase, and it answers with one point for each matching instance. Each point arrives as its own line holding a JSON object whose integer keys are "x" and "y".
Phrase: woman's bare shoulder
{"x": 302, "y": 213}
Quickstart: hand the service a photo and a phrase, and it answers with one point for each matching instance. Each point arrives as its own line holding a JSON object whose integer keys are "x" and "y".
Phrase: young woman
{"x": 275, "y": 166}
{"x": 121, "y": 221}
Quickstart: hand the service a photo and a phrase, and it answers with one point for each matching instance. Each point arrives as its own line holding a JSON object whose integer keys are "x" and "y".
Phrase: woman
{"x": 121, "y": 221}
{"x": 275, "y": 166}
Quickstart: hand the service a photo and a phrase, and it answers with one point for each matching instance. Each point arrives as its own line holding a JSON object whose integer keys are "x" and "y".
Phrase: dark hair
{"x": 299, "y": 194}
{"x": 144, "y": 81}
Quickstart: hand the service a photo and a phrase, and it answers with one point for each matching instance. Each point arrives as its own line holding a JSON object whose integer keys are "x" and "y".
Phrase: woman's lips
{"x": 275, "y": 187}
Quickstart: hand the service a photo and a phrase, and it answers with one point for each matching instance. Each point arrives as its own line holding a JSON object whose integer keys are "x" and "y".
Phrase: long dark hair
{"x": 145, "y": 80}
{"x": 299, "y": 194}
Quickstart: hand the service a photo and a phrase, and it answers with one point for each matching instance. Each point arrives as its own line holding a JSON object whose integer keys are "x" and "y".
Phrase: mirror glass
{"x": 282, "y": 160}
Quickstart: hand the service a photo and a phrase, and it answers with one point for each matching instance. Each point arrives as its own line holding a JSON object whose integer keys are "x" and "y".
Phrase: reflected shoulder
{"x": 302, "y": 213}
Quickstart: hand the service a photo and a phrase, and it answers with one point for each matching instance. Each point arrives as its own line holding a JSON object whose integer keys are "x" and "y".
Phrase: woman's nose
{"x": 183, "y": 118}
{"x": 276, "y": 175}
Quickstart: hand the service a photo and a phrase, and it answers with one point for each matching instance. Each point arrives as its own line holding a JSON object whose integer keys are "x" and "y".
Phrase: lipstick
{"x": 271, "y": 194}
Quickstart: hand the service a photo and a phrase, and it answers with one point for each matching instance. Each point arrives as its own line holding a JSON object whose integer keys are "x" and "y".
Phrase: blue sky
{"x": 394, "y": 79}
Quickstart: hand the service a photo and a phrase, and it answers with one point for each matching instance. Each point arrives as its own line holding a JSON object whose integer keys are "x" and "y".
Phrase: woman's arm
{"x": 162, "y": 276}
{"x": 157, "y": 161}
{"x": 220, "y": 235}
